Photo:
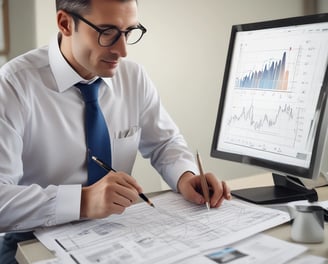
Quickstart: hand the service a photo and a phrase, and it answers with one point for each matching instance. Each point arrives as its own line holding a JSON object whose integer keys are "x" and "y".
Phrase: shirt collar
{"x": 64, "y": 74}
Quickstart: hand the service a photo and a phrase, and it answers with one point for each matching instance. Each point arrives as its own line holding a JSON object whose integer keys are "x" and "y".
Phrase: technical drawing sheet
{"x": 176, "y": 229}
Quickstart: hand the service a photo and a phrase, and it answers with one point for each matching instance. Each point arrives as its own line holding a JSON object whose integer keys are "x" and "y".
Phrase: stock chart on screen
{"x": 272, "y": 92}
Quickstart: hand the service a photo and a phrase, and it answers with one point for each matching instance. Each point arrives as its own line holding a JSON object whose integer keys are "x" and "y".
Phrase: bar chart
{"x": 273, "y": 75}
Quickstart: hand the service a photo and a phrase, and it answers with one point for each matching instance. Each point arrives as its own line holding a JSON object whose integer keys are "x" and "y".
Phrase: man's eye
{"x": 109, "y": 32}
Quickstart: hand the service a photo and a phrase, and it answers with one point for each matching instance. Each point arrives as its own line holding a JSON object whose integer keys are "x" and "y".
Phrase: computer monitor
{"x": 272, "y": 110}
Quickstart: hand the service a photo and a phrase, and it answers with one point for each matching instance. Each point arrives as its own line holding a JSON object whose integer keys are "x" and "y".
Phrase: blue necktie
{"x": 97, "y": 136}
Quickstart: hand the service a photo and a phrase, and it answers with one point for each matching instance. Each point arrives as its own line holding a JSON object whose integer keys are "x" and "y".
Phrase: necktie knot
{"x": 89, "y": 91}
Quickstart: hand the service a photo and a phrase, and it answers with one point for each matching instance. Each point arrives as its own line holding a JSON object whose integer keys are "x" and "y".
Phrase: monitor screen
{"x": 273, "y": 98}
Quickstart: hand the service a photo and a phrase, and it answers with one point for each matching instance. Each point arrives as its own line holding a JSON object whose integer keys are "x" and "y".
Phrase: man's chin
{"x": 107, "y": 74}
{"x": 108, "y": 69}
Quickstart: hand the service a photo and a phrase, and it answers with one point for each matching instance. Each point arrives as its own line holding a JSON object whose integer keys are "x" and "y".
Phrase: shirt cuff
{"x": 68, "y": 203}
{"x": 175, "y": 172}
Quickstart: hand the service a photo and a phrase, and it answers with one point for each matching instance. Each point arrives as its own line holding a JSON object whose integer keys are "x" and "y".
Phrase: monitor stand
{"x": 285, "y": 189}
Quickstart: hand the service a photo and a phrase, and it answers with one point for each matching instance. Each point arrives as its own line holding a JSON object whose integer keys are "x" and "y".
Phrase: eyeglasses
{"x": 110, "y": 35}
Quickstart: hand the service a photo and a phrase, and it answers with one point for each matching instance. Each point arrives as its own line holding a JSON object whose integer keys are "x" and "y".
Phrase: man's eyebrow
{"x": 134, "y": 26}
{"x": 107, "y": 26}
{"x": 104, "y": 26}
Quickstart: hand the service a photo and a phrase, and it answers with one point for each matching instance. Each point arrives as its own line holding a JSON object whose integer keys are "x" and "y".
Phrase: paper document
{"x": 176, "y": 229}
{"x": 257, "y": 249}
{"x": 306, "y": 259}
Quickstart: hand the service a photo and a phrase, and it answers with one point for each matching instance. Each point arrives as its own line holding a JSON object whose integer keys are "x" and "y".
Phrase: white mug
{"x": 308, "y": 224}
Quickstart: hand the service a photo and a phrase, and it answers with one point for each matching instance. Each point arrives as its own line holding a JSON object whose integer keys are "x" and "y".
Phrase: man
{"x": 43, "y": 151}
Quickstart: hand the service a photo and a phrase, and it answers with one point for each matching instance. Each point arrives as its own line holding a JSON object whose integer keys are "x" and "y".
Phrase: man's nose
{"x": 119, "y": 46}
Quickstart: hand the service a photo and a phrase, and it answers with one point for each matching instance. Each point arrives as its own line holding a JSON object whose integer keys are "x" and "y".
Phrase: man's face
{"x": 86, "y": 56}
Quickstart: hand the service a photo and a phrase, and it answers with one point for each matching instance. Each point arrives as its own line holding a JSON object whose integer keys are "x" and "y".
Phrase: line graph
{"x": 265, "y": 121}
{"x": 248, "y": 116}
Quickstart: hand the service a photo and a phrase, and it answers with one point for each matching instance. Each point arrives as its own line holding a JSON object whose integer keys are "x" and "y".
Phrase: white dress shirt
{"x": 42, "y": 144}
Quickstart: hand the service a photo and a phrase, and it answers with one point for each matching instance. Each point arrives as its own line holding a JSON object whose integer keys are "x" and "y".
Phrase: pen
{"x": 203, "y": 182}
{"x": 108, "y": 168}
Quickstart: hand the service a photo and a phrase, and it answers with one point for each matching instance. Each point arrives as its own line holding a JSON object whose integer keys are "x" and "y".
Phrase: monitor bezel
{"x": 320, "y": 136}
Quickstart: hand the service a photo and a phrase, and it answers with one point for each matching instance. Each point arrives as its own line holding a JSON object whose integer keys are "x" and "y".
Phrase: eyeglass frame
{"x": 119, "y": 32}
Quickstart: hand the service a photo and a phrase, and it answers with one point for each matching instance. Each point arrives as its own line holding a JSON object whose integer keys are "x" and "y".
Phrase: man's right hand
{"x": 110, "y": 195}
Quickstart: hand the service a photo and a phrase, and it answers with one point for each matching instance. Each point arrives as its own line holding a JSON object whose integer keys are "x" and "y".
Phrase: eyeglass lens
{"x": 110, "y": 36}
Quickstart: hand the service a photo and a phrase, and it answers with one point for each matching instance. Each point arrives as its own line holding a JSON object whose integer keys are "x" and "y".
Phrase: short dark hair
{"x": 78, "y": 6}
{"x": 75, "y": 6}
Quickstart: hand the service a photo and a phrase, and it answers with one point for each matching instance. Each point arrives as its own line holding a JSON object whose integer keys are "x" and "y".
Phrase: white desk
{"x": 32, "y": 250}
{"x": 283, "y": 231}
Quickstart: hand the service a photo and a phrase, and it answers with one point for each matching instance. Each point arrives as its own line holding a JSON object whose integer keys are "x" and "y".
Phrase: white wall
{"x": 323, "y": 6}
{"x": 21, "y": 26}
{"x": 184, "y": 52}
{"x": 46, "y": 26}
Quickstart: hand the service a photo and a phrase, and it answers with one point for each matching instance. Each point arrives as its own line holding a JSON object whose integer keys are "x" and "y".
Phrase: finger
{"x": 126, "y": 195}
{"x": 225, "y": 194}
{"x": 117, "y": 208}
{"x": 219, "y": 202}
{"x": 118, "y": 188}
{"x": 226, "y": 191}
{"x": 126, "y": 180}
{"x": 216, "y": 189}
{"x": 194, "y": 195}
{"x": 218, "y": 198}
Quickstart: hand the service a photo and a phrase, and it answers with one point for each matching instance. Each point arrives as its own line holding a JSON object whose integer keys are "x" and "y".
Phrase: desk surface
{"x": 32, "y": 250}
{"x": 283, "y": 231}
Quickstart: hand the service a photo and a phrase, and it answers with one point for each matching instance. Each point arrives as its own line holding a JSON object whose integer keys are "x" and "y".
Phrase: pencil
{"x": 203, "y": 182}
{"x": 108, "y": 168}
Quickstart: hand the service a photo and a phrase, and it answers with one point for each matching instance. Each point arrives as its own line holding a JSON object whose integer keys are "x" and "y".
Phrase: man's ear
{"x": 65, "y": 23}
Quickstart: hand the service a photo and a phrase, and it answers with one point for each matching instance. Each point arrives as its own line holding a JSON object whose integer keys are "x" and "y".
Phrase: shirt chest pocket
{"x": 124, "y": 149}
